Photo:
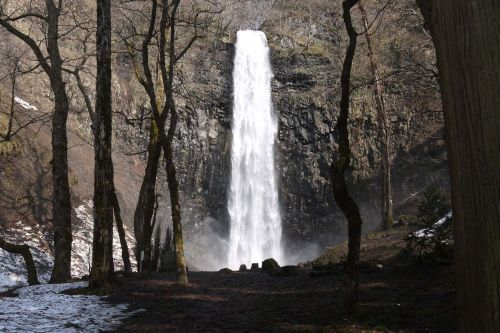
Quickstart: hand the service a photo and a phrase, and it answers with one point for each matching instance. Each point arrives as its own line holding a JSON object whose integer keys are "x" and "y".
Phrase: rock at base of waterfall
{"x": 225, "y": 271}
{"x": 243, "y": 268}
{"x": 288, "y": 271}
{"x": 255, "y": 267}
{"x": 270, "y": 265}
{"x": 305, "y": 264}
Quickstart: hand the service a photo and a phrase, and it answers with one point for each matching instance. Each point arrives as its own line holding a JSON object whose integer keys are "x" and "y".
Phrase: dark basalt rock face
{"x": 305, "y": 96}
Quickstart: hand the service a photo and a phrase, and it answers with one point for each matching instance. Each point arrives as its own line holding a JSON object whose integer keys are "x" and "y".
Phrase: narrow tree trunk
{"x": 8, "y": 134}
{"x": 102, "y": 250}
{"x": 466, "y": 35}
{"x": 146, "y": 200}
{"x": 121, "y": 233}
{"x": 61, "y": 201}
{"x": 338, "y": 167}
{"x": 156, "y": 249}
{"x": 23, "y": 250}
{"x": 173, "y": 186}
{"x": 383, "y": 129}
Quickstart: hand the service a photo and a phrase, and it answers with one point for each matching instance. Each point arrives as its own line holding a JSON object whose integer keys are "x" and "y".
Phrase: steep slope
{"x": 25, "y": 196}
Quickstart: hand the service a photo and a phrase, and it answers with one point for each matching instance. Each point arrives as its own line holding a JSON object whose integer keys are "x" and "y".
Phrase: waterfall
{"x": 253, "y": 197}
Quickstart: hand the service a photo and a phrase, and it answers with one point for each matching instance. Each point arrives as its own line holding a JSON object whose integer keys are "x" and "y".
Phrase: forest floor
{"x": 396, "y": 296}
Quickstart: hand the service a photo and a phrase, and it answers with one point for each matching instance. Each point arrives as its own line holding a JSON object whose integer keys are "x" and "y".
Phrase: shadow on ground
{"x": 397, "y": 298}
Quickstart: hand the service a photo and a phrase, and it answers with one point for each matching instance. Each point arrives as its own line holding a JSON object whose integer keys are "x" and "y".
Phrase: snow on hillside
{"x": 43, "y": 308}
{"x": 25, "y": 104}
{"x": 81, "y": 258}
{"x": 12, "y": 267}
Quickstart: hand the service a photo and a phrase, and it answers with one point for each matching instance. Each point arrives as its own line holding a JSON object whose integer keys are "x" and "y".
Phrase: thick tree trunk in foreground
{"x": 102, "y": 250}
{"x": 338, "y": 167}
{"x": 121, "y": 233}
{"x": 383, "y": 129}
{"x": 466, "y": 35}
{"x": 23, "y": 250}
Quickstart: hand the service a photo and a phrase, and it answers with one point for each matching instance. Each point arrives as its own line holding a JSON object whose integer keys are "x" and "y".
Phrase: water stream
{"x": 253, "y": 198}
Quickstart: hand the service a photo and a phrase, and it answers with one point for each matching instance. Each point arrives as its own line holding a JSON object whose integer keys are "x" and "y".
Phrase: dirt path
{"x": 400, "y": 299}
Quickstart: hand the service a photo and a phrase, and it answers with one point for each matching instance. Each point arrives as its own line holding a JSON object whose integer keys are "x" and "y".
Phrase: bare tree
{"x": 104, "y": 195}
{"x": 383, "y": 128}
{"x": 160, "y": 89}
{"x": 467, "y": 40}
{"x": 76, "y": 69}
{"x": 51, "y": 63}
{"x": 341, "y": 163}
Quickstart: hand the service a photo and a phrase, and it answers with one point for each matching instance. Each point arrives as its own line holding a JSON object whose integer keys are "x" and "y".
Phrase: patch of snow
{"x": 25, "y": 104}
{"x": 43, "y": 308}
{"x": 81, "y": 254}
{"x": 429, "y": 232}
{"x": 13, "y": 267}
{"x": 10, "y": 280}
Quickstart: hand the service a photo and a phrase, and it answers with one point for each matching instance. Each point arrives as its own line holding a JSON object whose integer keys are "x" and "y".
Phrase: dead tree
{"x": 23, "y": 250}
{"x": 51, "y": 63}
{"x": 467, "y": 40}
{"x": 339, "y": 165}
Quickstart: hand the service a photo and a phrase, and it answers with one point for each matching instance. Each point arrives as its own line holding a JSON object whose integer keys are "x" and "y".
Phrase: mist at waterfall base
{"x": 255, "y": 231}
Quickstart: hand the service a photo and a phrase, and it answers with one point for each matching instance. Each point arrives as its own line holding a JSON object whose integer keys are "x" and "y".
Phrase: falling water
{"x": 253, "y": 198}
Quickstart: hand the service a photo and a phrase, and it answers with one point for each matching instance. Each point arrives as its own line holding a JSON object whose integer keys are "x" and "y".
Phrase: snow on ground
{"x": 7, "y": 280}
{"x": 12, "y": 266}
{"x": 25, "y": 104}
{"x": 43, "y": 308}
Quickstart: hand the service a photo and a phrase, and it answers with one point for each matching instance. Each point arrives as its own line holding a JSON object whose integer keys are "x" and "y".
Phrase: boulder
{"x": 225, "y": 270}
{"x": 243, "y": 268}
{"x": 270, "y": 265}
{"x": 255, "y": 267}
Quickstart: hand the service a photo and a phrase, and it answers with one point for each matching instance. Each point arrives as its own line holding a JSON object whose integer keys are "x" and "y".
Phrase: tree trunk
{"x": 8, "y": 134}
{"x": 156, "y": 249}
{"x": 102, "y": 250}
{"x": 466, "y": 35}
{"x": 383, "y": 129}
{"x": 173, "y": 186}
{"x": 61, "y": 201}
{"x": 146, "y": 201}
{"x": 338, "y": 167}
{"x": 23, "y": 250}
{"x": 121, "y": 233}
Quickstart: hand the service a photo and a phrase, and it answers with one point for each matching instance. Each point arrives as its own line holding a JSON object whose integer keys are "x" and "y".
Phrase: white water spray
{"x": 253, "y": 199}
